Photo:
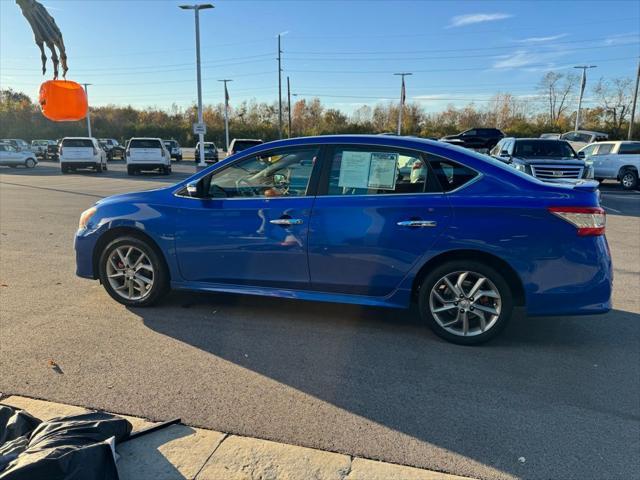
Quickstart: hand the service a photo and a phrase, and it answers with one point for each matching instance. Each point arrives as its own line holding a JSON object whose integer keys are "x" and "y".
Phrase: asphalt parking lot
{"x": 551, "y": 398}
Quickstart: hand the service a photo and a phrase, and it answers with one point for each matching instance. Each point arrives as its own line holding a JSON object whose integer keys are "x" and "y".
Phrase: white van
{"x": 147, "y": 154}
{"x": 81, "y": 152}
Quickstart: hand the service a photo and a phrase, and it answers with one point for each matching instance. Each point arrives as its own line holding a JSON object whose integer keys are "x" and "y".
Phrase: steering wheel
{"x": 245, "y": 188}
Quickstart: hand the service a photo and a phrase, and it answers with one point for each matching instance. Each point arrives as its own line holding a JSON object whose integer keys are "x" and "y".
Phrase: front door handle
{"x": 417, "y": 223}
{"x": 285, "y": 222}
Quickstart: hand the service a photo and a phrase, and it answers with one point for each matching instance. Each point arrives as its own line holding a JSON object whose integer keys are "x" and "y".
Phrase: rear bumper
{"x": 147, "y": 166}
{"x": 79, "y": 164}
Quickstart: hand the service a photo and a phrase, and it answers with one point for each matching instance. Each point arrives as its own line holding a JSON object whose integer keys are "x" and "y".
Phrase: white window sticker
{"x": 383, "y": 174}
{"x": 354, "y": 169}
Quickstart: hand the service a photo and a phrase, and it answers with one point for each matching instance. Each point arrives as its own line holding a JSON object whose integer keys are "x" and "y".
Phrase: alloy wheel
{"x": 628, "y": 180}
{"x": 465, "y": 303}
{"x": 130, "y": 272}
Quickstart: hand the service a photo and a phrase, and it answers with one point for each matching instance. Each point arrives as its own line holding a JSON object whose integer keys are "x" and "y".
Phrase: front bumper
{"x": 84, "y": 245}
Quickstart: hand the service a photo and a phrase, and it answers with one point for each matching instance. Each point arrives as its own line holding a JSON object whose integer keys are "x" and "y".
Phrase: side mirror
{"x": 192, "y": 189}
{"x": 581, "y": 155}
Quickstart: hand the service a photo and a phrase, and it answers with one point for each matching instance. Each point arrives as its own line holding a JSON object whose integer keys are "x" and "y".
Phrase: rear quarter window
{"x": 629, "y": 149}
{"x": 77, "y": 142}
{"x": 136, "y": 143}
{"x": 451, "y": 175}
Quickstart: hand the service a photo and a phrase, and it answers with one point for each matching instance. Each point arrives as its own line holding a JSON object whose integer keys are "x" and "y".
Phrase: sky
{"x": 142, "y": 53}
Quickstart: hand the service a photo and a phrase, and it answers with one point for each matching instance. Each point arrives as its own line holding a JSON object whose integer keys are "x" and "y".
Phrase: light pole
{"x": 226, "y": 112}
{"x": 583, "y": 83}
{"x": 196, "y": 8}
{"x": 289, "y": 103}
{"x": 402, "y": 98}
{"x": 86, "y": 92}
{"x": 635, "y": 100}
{"x": 279, "y": 88}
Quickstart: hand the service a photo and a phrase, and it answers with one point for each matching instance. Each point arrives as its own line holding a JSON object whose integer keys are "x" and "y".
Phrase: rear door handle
{"x": 417, "y": 223}
{"x": 286, "y": 221}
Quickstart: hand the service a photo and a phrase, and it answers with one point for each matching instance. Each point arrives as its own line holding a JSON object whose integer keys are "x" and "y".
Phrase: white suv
{"x": 614, "y": 160}
{"x": 81, "y": 152}
{"x": 147, "y": 154}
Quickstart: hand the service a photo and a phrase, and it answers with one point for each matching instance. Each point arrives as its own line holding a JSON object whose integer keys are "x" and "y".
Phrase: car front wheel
{"x": 629, "y": 179}
{"x": 465, "y": 302}
{"x": 133, "y": 272}
{"x": 30, "y": 163}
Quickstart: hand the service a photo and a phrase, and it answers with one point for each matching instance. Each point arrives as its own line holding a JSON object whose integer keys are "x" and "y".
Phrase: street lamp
{"x": 86, "y": 92}
{"x": 196, "y": 8}
{"x": 583, "y": 83}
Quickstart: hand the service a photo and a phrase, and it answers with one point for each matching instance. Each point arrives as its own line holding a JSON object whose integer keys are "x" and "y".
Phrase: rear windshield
{"x": 243, "y": 145}
{"x": 141, "y": 143}
{"x": 542, "y": 149}
{"x": 77, "y": 142}
{"x": 171, "y": 143}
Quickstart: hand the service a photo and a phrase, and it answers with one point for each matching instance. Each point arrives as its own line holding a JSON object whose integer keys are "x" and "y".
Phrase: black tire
{"x": 131, "y": 170}
{"x": 64, "y": 169}
{"x": 30, "y": 163}
{"x": 165, "y": 170}
{"x": 179, "y": 158}
{"x": 599, "y": 180}
{"x": 99, "y": 168}
{"x": 161, "y": 275}
{"x": 629, "y": 179}
{"x": 488, "y": 272}
{"x": 104, "y": 167}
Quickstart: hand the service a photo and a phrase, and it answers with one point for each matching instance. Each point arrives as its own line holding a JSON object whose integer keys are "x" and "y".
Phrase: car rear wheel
{"x": 99, "y": 168}
{"x": 131, "y": 170}
{"x": 629, "y": 179}
{"x": 133, "y": 272}
{"x": 30, "y": 163}
{"x": 465, "y": 302}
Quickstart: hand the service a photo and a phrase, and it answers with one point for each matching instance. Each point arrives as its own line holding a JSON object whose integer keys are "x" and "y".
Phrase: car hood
{"x": 549, "y": 160}
{"x": 144, "y": 196}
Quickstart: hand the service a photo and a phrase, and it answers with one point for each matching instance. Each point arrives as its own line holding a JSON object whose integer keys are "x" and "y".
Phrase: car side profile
{"x": 615, "y": 161}
{"x": 332, "y": 219}
{"x": 475, "y": 138}
{"x": 10, "y": 156}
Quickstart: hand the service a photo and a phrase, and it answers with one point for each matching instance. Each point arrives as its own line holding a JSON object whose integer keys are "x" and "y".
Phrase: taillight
{"x": 95, "y": 151}
{"x": 589, "y": 221}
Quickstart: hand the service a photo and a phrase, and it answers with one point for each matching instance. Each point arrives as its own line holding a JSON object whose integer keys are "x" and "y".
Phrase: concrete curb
{"x": 182, "y": 452}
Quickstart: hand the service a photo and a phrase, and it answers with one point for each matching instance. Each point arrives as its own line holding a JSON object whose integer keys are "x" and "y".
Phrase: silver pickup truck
{"x": 614, "y": 160}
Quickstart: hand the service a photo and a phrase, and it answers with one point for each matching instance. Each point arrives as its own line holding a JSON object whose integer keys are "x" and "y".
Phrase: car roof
{"x": 247, "y": 140}
{"x": 78, "y": 138}
{"x": 590, "y": 132}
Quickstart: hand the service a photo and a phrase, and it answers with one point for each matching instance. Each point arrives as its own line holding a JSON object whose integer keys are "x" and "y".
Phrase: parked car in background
{"x": 581, "y": 138}
{"x": 53, "y": 151}
{"x": 19, "y": 144}
{"x": 614, "y": 160}
{"x": 112, "y": 147}
{"x": 240, "y": 144}
{"x": 174, "y": 149}
{"x": 471, "y": 241}
{"x": 551, "y": 136}
{"x": 475, "y": 138}
{"x": 39, "y": 147}
{"x": 542, "y": 158}
{"x": 81, "y": 152}
{"x": 210, "y": 152}
{"x": 12, "y": 157}
{"x": 147, "y": 154}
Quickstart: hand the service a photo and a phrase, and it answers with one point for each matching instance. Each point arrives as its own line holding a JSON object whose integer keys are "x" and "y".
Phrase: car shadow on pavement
{"x": 543, "y": 383}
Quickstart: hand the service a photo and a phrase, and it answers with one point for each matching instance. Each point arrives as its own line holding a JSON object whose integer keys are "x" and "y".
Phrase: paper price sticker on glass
{"x": 376, "y": 170}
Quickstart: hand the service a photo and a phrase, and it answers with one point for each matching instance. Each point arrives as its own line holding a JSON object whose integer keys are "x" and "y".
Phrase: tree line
{"x": 551, "y": 109}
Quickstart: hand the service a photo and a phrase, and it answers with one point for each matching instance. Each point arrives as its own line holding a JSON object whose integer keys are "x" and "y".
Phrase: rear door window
{"x": 604, "y": 149}
{"x": 142, "y": 143}
{"x": 77, "y": 142}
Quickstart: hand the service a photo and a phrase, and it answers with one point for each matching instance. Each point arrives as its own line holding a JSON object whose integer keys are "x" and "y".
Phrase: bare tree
{"x": 614, "y": 98}
{"x": 556, "y": 90}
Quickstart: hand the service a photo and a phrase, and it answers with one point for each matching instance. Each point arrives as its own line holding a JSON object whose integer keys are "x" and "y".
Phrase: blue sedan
{"x": 336, "y": 219}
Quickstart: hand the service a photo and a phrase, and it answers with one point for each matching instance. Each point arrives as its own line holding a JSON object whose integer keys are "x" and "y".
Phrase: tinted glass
{"x": 629, "y": 149}
{"x": 243, "y": 145}
{"x": 451, "y": 175}
{"x": 144, "y": 143}
{"x": 542, "y": 149}
{"x": 170, "y": 144}
{"x": 77, "y": 142}
{"x": 284, "y": 173}
{"x": 357, "y": 171}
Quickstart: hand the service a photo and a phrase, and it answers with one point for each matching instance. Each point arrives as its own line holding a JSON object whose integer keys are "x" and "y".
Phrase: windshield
{"x": 542, "y": 149}
{"x": 244, "y": 144}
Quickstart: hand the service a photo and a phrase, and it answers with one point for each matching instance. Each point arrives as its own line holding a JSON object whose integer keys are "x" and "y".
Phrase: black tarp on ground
{"x": 76, "y": 447}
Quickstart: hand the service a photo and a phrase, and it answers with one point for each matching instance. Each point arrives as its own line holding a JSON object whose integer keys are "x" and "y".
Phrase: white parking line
{"x": 612, "y": 209}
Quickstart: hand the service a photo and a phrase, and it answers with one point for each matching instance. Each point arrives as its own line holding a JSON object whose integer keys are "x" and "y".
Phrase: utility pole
{"x": 196, "y": 8}
{"x": 635, "y": 100}
{"x": 279, "y": 88}
{"x": 86, "y": 92}
{"x": 289, "y": 103}
{"x": 403, "y": 96}
{"x": 583, "y": 84}
{"x": 226, "y": 112}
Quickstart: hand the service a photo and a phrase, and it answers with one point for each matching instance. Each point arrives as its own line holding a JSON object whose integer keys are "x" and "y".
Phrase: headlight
{"x": 520, "y": 166}
{"x": 85, "y": 217}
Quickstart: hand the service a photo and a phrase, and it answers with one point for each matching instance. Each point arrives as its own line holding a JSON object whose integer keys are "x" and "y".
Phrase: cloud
{"x": 472, "y": 18}
{"x": 622, "y": 39}
{"x": 523, "y": 58}
{"x": 542, "y": 39}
